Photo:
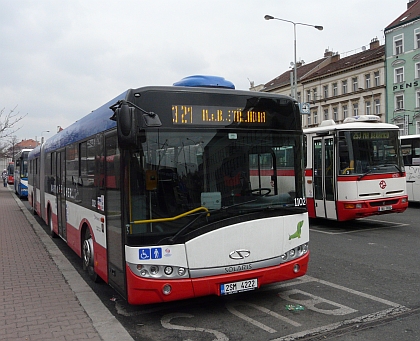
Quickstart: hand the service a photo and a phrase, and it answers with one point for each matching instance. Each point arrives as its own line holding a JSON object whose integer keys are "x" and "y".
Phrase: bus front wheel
{"x": 88, "y": 256}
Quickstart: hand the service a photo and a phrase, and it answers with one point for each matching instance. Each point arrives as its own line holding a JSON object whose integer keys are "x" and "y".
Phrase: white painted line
{"x": 355, "y": 292}
{"x": 234, "y": 311}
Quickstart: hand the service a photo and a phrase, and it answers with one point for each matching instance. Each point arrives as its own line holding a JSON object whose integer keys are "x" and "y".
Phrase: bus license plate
{"x": 234, "y": 287}
{"x": 385, "y": 208}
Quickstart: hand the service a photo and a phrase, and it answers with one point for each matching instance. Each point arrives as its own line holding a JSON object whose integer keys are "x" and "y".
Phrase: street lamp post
{"x": 42, "y": 137}
{"x": 320, "y": 28}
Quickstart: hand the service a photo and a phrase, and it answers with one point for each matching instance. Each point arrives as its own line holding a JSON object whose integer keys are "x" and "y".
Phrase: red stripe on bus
{"x": 269, "y": 172}
{"x": 370, "y": 177}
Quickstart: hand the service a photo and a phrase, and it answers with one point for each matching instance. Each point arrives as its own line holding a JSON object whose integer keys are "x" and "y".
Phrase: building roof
{"x": 412, "y": 13}
{"x": 349, "y": 62}
{"x": 26, "y": 144}
{"x": 284, "y": 78}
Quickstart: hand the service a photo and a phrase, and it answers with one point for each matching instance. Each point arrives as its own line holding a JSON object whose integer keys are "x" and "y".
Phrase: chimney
{"x": 374, "y": 43}
{"x": 328, "y": 53}
{"x": 335, "y": 58}
{"x": 410, "y": 3}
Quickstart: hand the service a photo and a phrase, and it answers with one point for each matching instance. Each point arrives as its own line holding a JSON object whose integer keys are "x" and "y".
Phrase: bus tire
{"x": 88, "y": 256}
{"x": 51, "y": 225}
{"x": 34, "y": 212}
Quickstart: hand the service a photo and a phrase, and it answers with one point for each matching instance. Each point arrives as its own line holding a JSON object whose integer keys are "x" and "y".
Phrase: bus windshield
{"x": 365, "y": 152}
{"x": 225, "y": 172}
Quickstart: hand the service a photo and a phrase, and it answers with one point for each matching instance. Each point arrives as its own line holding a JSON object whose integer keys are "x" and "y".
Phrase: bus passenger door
{"x": 324, "y": 178}
{"x": 61, "y": 193}
{"x": 114, "y": 229}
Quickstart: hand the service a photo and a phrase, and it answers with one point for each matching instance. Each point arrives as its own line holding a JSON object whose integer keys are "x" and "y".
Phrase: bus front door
{"x": 114, "y": 224}
{"x": 324, "y": 177}
{"x": 61, "y": 194}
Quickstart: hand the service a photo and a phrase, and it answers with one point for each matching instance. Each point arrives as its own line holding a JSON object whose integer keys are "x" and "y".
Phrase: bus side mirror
{"x": 127, "y": 126}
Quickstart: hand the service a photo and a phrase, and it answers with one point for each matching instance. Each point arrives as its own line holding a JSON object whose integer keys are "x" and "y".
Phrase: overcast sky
{"x": 62, "y": 59}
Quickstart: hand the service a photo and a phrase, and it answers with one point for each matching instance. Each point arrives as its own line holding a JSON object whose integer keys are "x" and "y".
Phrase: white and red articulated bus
{"x": 163, "y": 193}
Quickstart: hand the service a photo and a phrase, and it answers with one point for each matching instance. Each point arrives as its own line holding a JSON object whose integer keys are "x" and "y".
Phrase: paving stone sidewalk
{"x": 42, "y": 297}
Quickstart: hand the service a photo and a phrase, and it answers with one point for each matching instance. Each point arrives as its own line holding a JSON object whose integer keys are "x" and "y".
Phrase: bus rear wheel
{"x": 88, "y": 256}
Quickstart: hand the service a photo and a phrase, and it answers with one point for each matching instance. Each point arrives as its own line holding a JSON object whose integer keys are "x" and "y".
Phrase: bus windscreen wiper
{"x": 364, "y": 174}
{"x": 186, "y": 227}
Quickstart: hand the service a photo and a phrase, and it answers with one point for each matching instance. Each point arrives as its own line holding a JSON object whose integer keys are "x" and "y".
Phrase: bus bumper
{"x": 147, "y": 291}
{"x": 348, "y": 210}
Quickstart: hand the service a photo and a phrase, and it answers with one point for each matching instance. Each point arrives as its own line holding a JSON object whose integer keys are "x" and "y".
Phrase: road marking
{"x": 327, "y": 328}
{"x": 394, "y": 310}
{"x": 166, "y": 323}
{"x": 234, "y": 311}
{"x": 314, "y": 300}
{"x": 355, "y": 292}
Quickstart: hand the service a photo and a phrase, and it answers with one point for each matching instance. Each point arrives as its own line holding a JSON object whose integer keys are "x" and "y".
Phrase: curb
{"x": 108, "y": 327}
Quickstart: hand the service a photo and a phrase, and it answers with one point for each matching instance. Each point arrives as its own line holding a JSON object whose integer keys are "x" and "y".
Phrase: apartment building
{"x": 336, "y": 88}
{"x": 402, "y": 60}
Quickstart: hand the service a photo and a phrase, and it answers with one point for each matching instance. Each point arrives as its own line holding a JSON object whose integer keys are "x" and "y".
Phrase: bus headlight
{"x": 181, "y": 272}
{"x": 159, "y": 271}
{"x": 294, "y": 253}
{"x": 168, "y": 270}
{"x": 154, "y": 270}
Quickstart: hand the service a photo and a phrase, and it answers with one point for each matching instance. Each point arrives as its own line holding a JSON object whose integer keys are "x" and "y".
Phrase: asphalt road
{"x": 362, "y": 284}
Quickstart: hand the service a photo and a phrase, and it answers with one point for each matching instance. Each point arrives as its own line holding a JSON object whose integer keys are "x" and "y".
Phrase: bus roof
{"x": 350, "y": 125}
{"x": 99, "y": 120}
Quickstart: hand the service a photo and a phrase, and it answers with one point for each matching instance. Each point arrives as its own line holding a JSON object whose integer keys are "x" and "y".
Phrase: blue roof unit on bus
{"x": 205, "y": 81}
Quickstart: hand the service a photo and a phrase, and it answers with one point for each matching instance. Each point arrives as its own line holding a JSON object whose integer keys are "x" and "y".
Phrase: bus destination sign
{"x": 370, "y": 135}
{"x": 215, "y": 115}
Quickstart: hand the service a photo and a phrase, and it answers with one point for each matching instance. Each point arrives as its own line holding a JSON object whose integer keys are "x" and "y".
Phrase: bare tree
{"x": 8, "y": 122}
{"x": 8, "y": 147}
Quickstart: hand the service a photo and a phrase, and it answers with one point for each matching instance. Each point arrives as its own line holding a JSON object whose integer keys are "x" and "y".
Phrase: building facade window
{"x": 335, "y": 89}
{"x": 326, "y": 116}
{"x": 398, "y": 44}
{"x": 368, "y": 108}
{"x": 355, "y": 84}
{"x": 345, "y": 112}
{"x": 377, "y": 79}
{"x": 335, "y": 114}
{"x": 315, "y": 117}
{"x": 417, "y": 70}
{"x": 344, "y": 85}
{"x": 417, "y": 38}
{"x": 377, "y": 107}
{"x": 309, "y": 120}
{"x": 355, "y": 109}
{"x": 399, "y": 75}
{"x": 418, "y": 99}
{"x": 308, "y": 95}
{"x": 325, "y": 91}
{"x": 298, "y": 97}
{"x": 399, "y": 102}
{"x": 315, "y": 93}
{"x": 367, "y": 81}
